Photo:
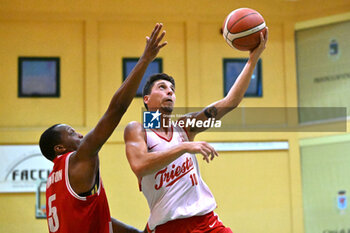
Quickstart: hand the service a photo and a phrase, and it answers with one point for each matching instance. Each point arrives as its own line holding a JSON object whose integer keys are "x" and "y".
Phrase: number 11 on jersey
{"x": 194, "y": 179}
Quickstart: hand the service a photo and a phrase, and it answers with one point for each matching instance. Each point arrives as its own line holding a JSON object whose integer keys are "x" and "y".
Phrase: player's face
{"x": 162, "y": 96}
{"x": 70, "y": 138}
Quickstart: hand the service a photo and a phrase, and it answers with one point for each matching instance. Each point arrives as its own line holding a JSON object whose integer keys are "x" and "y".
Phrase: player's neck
{"x": 166, "y": 131}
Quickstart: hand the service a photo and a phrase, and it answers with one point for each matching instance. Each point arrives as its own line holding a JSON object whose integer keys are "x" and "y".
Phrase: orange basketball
{"x": 242, "y": 28}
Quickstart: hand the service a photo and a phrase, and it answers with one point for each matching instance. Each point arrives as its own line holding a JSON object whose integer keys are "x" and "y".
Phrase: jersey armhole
{"x": 69, "y": 187}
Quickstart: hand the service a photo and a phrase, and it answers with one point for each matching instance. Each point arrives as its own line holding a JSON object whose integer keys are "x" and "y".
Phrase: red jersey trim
{"x": 140, "y": 185}
{"x": 164, "y": 138}
{"x": 149, "y": 230}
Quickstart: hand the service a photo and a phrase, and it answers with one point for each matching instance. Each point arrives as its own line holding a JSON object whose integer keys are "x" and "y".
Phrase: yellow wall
{"x": 254, "y": 190}
{"x": 251, "y": 187}
{"x": 35, "y": 38}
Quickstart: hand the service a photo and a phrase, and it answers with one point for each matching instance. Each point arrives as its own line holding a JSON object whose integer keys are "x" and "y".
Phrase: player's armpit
{"x": 135, "y": 146}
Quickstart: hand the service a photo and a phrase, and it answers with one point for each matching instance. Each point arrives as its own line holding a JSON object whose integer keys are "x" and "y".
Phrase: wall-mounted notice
{"x": 22, "y": 167}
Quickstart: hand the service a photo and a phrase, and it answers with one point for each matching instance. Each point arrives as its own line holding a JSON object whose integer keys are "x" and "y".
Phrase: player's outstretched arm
{"x": 218, "y": 109}
{"x": 83, "y": 164}
{"x": 143, "y": 162}
{"x": 122, "y": 98}
{"x": 237, "y": 91}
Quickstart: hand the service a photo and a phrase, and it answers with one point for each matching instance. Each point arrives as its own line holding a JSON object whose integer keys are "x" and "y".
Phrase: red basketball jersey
{"x": 67, "y": 212}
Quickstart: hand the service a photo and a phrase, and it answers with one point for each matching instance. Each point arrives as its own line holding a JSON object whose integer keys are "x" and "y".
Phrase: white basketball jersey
{"x": 176, "y": 191}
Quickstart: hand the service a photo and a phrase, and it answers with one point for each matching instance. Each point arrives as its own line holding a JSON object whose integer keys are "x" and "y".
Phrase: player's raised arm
{"x": 122, "y": 98}
{"x": 219, "y": 108}
{"x": 83, "y": 164}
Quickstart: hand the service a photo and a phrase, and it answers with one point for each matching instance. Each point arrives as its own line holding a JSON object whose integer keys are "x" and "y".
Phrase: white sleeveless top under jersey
{"x": 176, "y": 191}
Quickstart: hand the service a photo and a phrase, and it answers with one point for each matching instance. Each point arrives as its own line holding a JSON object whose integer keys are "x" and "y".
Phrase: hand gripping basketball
{"x": 242, "y": 27}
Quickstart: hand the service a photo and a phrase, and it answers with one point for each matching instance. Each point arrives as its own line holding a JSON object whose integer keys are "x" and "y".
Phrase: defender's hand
{"x": 153, "y": 44}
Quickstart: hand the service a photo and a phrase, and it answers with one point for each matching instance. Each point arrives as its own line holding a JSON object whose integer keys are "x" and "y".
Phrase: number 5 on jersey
{"x": 52, "y": 217}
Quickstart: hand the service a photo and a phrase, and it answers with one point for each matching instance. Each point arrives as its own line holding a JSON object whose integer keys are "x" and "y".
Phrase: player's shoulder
{"x": 133, "y": 128}
{"x": 133, "y": 125}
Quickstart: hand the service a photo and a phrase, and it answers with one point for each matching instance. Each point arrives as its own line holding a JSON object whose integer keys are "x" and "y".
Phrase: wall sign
{"x": 22, "y": 167}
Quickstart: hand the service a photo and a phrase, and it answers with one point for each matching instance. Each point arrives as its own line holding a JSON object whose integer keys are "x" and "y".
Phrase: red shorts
{"x": 196, "y": 224}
